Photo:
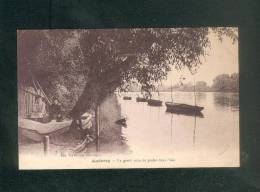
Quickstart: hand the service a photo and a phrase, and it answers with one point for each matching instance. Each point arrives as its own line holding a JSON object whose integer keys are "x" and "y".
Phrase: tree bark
{"x": 88, "y": 100}
{"x": 96, "y": 91}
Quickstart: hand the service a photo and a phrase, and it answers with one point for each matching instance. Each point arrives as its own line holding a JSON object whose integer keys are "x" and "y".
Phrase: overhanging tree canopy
{"x": 104, "y": 60}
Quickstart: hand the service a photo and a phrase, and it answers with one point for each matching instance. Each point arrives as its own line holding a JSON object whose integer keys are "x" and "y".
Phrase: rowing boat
{"x": 36, "y": 131}
{"x": 127, "y": 98}
{"x": 154, "y": 102}
{"x": 141, "y": 99}
{"x": 183, "y": 108}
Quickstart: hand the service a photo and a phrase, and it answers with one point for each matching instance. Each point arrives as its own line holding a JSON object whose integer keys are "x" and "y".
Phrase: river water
{"x": 211, "y": 140}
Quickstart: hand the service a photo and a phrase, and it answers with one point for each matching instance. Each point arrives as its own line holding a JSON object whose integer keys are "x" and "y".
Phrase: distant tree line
{"x": 226, "y": 83}
{"x": 221, "y": 83}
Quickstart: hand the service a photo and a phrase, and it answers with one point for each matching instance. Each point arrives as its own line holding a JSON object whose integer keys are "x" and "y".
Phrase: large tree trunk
{"x": 89, "y": 99}
{"x": 96, "y": 91}
{"x": 92, "y": 96}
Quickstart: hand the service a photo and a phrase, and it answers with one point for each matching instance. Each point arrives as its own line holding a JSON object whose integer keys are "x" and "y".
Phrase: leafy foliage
{"x": 90, "y": 64}
{"x": 225, "y": 82}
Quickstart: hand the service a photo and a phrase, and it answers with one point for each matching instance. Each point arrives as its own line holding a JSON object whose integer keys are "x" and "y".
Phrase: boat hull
{"x": 127, "y": 98}
{"x": 38, "y": 137}
{"x": 154, "y": 102}
{"x": 183, "y": 108}
{"x": 36, "y": 131}
{"x": 141, "y": 99}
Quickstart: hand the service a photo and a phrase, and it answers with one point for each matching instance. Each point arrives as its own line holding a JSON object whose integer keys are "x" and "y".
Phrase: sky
{"x": 222, "y": 58}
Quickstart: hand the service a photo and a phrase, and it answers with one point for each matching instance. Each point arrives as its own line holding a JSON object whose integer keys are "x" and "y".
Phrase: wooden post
{"x": 97, "y": 127}
{"x": 46, "y": 144}
{"x": 26, "y": 103}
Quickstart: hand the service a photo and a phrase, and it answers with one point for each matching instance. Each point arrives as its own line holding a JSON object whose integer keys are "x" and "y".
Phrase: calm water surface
{"x": 212, "y": 140}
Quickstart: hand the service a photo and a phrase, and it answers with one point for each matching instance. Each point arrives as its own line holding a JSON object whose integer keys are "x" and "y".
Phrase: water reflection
{"x": 194, "y": 130}
{"x": 171, "y": 127}
{"x": 153, "y": 130}
{"x": 200, "y": 96}
{"x": 193, "y": 114}
{"x": 226, "y": 100}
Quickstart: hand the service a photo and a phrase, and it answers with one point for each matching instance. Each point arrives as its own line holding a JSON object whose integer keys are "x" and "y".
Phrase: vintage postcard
{"x": 128, "y": 98}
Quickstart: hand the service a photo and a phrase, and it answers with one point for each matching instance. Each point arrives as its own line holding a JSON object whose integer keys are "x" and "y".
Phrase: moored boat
{"x": 182, "y": 108}
{"x": 154, "y": 102}
{"x": 127, "y": 98}
{"x": 36, "y": 131}
{"x": 141, "y": 99}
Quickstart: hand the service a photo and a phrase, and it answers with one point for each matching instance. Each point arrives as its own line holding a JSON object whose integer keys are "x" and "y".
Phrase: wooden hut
{"x": 29, "y": 99}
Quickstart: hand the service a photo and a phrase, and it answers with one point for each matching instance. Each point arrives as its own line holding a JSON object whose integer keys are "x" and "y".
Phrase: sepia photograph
{"x": 128, "y": 98}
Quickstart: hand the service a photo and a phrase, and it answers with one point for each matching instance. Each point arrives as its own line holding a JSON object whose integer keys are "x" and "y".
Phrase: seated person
{"x": 38, "y": 109}
{"x": 55, "y": 111}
